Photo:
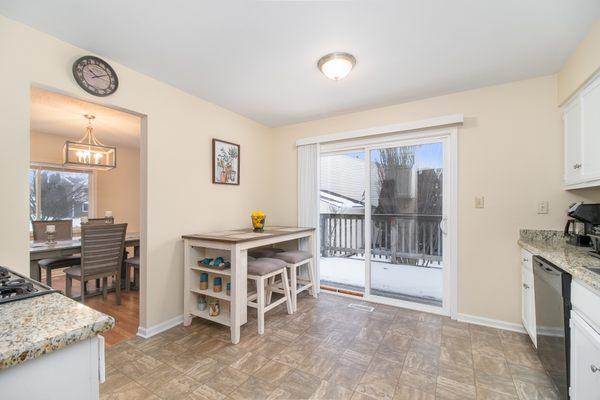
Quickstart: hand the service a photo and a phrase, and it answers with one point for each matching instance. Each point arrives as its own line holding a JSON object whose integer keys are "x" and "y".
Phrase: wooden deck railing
{"x": 394, "y": 237}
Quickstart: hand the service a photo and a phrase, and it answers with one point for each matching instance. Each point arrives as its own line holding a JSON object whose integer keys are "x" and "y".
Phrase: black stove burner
{"x": 14, "y": 286}
{"x": 4, "y": 275}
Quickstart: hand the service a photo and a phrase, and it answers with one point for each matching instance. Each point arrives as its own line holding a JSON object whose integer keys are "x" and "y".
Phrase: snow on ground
{"x": 396, "y": 278}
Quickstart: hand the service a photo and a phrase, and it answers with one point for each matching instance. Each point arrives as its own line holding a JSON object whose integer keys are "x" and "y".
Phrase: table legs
{"x": 34, "y": 270}
{"x": 239, "y": 292}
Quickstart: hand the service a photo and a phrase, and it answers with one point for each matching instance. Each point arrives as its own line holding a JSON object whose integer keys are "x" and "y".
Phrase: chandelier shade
{"x": 89, "y": 152}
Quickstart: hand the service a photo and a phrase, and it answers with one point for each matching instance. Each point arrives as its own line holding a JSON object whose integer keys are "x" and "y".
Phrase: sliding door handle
{"x": 444, "y": 225}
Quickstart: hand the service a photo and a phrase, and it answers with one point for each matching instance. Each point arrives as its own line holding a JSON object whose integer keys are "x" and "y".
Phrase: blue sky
{"x": 426, "y": 155}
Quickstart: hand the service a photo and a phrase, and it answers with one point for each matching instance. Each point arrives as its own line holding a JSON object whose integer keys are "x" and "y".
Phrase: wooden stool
{"x": 133, "y": 262}
{"x": 295, "y": 260}
{"x": 262, "y": 271}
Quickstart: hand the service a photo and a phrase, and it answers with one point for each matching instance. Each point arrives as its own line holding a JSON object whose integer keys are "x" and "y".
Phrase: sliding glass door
{"x": 393, "y": 197}
{"x": 406, "y": 203}
{"x": 342, "y": 221}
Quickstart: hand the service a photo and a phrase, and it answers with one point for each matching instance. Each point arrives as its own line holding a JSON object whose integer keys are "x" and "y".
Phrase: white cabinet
{"x": 581, "y": 119}
{"x": 585, "y": 342}
{"x": 573, "y": 150}
{"x": 585, "y": 360}
{"x": 527, "y": 295}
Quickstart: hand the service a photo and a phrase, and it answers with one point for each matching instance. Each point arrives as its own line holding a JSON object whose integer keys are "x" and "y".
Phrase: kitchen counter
{"x": 33, "y": 327}
{"x": 552, "y": 246}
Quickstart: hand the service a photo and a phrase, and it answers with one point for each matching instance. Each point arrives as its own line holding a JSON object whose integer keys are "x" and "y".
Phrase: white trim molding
{"x": 156, "y": 329}
{"x": 492, "y": 323}
{"x": 446, "y": 120}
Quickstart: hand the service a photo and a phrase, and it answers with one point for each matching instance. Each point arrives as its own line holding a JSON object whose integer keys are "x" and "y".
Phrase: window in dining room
{"x": 59, "y": 194}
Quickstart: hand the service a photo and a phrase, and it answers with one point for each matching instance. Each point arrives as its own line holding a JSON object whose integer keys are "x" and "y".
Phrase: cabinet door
{"x": 528, "y": 301}
{"x": 585, "y": 360}
{"x": 590, "y": 130}
{"x": 572, "y": 138}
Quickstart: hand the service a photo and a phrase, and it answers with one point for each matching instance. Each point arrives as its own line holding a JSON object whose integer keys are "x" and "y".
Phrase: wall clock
{"x": 95, "y": 76}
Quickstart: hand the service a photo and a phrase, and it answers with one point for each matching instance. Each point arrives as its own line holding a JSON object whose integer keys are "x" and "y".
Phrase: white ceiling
{"x": 258, "y": 58}
{"x": 56, "y": 114}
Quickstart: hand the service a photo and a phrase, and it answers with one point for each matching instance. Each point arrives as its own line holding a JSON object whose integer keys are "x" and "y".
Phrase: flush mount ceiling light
{"x": 89, "y": 152}
{"x": 336, "y": 66}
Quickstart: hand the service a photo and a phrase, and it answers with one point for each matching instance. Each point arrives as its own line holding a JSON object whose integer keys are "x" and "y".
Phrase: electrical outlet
{"x": 479, "y": 201}
{"x": 543, "y": 207}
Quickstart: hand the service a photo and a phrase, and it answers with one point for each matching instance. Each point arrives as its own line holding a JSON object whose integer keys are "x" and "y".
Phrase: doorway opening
{"x": 85, "y": 194}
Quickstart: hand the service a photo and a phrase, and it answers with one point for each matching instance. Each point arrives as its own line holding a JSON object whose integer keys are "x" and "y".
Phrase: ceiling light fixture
{"x": 89, "y": 151}
{"x": 337, "y": 65}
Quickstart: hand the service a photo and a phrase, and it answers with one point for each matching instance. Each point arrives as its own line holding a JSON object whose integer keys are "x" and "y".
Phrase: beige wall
{"x": 581, "y": 65}
{"x": 176, "y": 188}
{"x": 510, "y": 151}
{"x": 117, "y": 190}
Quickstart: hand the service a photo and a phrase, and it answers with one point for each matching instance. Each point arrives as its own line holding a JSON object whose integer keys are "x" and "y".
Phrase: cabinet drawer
{"x": 587, "y": 303}
{"x": 585, "y": 360}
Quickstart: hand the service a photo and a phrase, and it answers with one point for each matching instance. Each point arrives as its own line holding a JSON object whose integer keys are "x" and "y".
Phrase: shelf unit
{"x": 224, "y": 299}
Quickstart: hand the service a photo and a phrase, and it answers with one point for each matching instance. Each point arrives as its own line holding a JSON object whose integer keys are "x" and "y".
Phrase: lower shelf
{"x": 222, "y": 318}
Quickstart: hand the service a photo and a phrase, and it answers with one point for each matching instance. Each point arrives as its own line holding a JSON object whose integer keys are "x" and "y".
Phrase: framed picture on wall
{"x": 226, "y": 162}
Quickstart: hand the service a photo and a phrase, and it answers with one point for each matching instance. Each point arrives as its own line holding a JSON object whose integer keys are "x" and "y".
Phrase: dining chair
{"x": 132, "y": 262}
{"x": 102, "y": 248}
{"x": 63, "y": 231}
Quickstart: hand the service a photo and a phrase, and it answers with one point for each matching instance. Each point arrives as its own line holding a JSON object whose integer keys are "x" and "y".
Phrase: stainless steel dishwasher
{"x": 552, "y": 312}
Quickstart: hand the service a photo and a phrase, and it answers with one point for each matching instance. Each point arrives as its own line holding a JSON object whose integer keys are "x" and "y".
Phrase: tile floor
{"x": 329, "y": 351}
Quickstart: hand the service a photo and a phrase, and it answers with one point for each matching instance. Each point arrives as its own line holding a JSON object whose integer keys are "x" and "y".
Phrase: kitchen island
{"x": 50, "y": 348}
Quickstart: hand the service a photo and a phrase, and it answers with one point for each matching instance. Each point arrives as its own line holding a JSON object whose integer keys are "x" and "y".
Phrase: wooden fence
{"x": 397, "y": 238}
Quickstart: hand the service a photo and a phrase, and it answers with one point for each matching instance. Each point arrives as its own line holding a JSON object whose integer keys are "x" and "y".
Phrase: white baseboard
{"x": 492, "y": 323}
{"x": 156, "y": 329}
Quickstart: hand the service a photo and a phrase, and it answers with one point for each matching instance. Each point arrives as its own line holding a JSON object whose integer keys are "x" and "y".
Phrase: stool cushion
{"x": 265, "y": 252}
{"x": 293, "y": 257}
{"x": 133, "y": 261}
{"x": 74, "y": 272}
{"x": 63, "y": 262}
{"x": 264, "y": 266}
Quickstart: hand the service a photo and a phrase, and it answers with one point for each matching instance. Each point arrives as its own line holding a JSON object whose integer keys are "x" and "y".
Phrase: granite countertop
{"x": 33, "y": 327}
{"x": 552, "y": 246}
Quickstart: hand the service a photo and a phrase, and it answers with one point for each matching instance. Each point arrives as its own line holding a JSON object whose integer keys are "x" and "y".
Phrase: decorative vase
{"x": 258, "y": 221}
{"x": 214, "y": 308}
{"x": 201, "y": 303}
{"x": 203, "y": 281}
{"x": 217, "y": 284}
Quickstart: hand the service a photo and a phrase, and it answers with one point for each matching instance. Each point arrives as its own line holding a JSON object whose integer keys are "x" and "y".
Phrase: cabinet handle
{"x": 594, "y": 368}
{"x": 576, "y": 166}
{"x": 526, "y": 260}
{"x": 526, "y": 286}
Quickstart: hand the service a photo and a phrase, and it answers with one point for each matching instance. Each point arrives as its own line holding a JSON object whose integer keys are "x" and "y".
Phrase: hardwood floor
{"x": 126, "y": 315}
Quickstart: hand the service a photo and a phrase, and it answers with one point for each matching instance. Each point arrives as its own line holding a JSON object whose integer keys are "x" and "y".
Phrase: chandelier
{"x": 89, "y": 152}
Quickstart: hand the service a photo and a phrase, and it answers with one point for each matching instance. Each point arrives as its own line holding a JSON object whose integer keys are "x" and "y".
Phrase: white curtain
{"x": 308, "y": 196}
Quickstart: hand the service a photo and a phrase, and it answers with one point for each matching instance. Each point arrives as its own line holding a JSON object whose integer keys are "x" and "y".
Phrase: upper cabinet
{"x": 581, "y": 119}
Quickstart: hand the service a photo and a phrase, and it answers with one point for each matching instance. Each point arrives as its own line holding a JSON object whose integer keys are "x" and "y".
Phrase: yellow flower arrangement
{"x": 258, "y": 220}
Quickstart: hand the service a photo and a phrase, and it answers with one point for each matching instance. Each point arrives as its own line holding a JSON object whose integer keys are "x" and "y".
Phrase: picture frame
{"x": 225, "y": 162}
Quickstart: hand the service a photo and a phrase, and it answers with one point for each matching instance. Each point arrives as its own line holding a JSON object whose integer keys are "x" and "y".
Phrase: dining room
{"x": 79, "y": 189}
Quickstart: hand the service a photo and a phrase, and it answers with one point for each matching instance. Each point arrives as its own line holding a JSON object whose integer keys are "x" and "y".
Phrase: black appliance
{"x": 588, "y": 216}
{"x": 14, "y": 286}
{"x": 552, "y": 287}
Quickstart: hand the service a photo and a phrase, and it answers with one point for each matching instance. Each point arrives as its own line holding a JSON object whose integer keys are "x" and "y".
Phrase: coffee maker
{"x": 583, "y": 225}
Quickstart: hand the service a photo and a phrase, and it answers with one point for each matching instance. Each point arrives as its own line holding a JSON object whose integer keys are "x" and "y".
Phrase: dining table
{"x": 63, "y": 248}
{"x": 233, "y": 246}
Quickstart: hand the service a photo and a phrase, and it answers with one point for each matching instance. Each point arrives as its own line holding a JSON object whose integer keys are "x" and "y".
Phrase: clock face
{"x": 95, "y": 76}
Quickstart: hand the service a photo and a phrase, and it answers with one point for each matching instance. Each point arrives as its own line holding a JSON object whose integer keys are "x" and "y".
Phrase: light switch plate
{"x": 479, "y": 201}
{"x": 543, "y": 207}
